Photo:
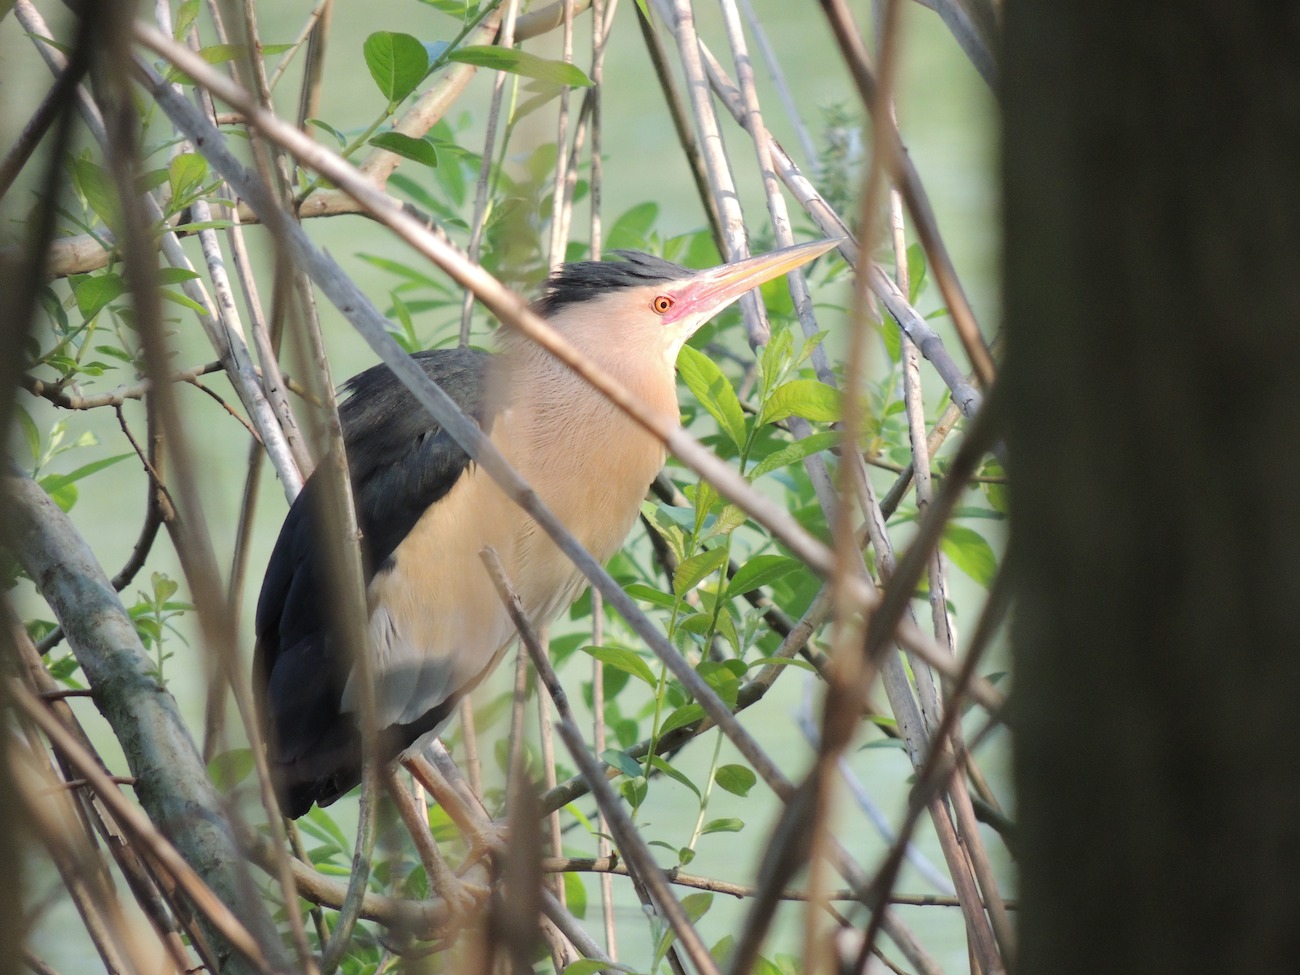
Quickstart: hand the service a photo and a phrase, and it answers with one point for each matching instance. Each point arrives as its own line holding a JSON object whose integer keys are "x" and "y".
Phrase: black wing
{"x": 401, "y": 463}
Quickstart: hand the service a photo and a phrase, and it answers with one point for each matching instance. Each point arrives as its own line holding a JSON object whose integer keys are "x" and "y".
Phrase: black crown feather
{"x": 587, "y": 280}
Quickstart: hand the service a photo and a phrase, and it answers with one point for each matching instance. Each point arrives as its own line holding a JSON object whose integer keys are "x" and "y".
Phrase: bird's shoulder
{"x": 400, "y": 458}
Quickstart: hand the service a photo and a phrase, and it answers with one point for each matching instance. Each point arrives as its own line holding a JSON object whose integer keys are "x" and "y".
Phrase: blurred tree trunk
{"x": 1152, "y": 181}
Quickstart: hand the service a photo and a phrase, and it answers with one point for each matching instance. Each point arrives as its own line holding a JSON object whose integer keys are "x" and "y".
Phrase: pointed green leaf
{"x": 622, "y": 761}
{"x": 761, "y": 570}
{"x": 625, "y": 660}
{"x": 186, "y": 14}
{"x": 703, "y": 378}
{"x": 648, "y": 594}
{"x": 807, "y": 398}
{"x": 93, "y": 184}
{"x": 814, "y": 443}
{"x": 185, "y": 174}
{"x": 523, "y": 63}
{"x": 94, "y": 292}
{"x": 684, "y": 715}
{"x": 728, "y": 825}
{"x": 970, "y": 553}
{"x": 56, "y": 482}
{"x": 692, "y": 571}
{"x": 673, "y": 773}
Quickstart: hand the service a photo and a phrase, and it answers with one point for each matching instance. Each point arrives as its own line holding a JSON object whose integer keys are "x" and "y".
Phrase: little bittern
{"x": 436, "y": 625}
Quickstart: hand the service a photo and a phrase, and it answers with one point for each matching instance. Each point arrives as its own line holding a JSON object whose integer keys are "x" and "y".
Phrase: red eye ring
{"x": 660, "y": 304}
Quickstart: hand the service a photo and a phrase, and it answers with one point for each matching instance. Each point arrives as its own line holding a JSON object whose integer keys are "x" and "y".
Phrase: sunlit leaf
{"x": 814, "y": 443}
{"x": 397, "y": 62}
{"x": 690, "y": 572}
{"x": 807, "y": 398}
{"x": 625, "y": 660}
{"x": 185, "y": 174}
{"x": 522, "y": 63}
{"x": 714, "y": 392}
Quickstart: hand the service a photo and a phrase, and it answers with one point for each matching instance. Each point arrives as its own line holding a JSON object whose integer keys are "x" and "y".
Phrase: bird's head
{"x": 645, "y": 306}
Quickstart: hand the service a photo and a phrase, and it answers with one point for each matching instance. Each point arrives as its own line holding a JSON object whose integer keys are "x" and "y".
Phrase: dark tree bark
{"x": 1152, "y": 185}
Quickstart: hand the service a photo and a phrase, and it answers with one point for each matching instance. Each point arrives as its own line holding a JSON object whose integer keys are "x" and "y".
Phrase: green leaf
{"x": 695, "y": 906}
{"x": 703, "y": 378}
{"x": 814, "y": 443}
{"x": 185, "y": 174}
{"x": 230, "y": 768}
{"x": 761, "y": 570}
{"x": 176, "y": 298}
{"x": 397, "y": 62}
{"x": 692, "y": 571}
{"x": 221, "y": 53}
{"x": 634, "y": 791}
{"x": 684, "y": 715}
{"x": 915, "y": 272}
{"x": 776, "y": 356}
{"x": 622, "y": 761}
{"x": 94, "y": 292}
{"x": 30, "y": 431}
{"x": 807, "y": 398}
{"x": 575, "y": 895}
{"x": 625, "y": 660}
{"x": 674, "y": 774}
{"x": 995, "y": 494}
{"x": 94, "y": 186}
{"x": 884, "y": 743}
{"x": 639, "y": 590}
{"x": 736, "y": 779}
{"x": 339, "y": 137}
{"x": 970, "y": 553}
{"x": 728, "y": 825}
{"x": 173, "y": 275}
{"x": 518, "y": 62}
{"x": 632, "y": 227}
{"x": 56, "y": 482}
{"x": 408, "y": 147}
{"x": 186, "y": 14}
{"x": 319, "y": 824}
{"x": 728, "y": 520}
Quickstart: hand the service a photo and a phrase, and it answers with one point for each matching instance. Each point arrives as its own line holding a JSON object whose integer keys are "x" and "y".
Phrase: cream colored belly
{"x": 437, "y": 621}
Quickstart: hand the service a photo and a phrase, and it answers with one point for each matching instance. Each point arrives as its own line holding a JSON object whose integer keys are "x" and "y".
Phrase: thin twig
{"x": 144, "y": 832}
{"x": 631, "y": 845}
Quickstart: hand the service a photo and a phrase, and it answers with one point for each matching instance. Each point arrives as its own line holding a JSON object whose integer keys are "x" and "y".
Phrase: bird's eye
{"x": 660, "y": 304}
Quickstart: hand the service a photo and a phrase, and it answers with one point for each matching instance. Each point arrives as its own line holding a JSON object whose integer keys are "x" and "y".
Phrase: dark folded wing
{"x": 401, "y": 463}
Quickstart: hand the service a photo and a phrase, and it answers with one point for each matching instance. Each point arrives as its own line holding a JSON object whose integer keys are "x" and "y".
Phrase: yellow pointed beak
{"x": 708, "y": 292}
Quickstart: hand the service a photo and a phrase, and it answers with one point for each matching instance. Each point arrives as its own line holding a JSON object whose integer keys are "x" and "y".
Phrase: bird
{"x": 436, "y": 626}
